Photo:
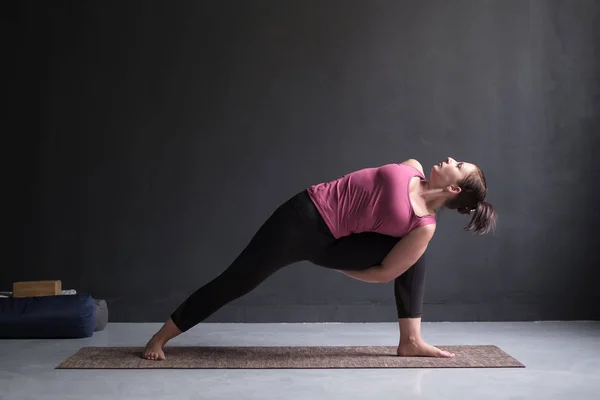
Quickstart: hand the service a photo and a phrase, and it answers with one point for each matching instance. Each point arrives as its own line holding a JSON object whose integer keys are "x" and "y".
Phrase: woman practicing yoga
{"x": 372, "y": 225}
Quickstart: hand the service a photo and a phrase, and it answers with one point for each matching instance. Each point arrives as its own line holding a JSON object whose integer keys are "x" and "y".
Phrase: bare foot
{"x": 420, "y": 348}
{"x": 154, "y": 350}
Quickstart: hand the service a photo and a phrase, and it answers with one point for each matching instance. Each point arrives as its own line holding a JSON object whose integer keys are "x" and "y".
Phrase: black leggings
{"x": 296, "y": 232}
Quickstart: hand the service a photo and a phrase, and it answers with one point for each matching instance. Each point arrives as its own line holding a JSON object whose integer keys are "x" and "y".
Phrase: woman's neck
{"x": 434, "y": 198}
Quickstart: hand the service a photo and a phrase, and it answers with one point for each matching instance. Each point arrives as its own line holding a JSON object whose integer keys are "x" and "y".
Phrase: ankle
{"x": 411, "y": 339}
{"x": 167, "y": 332}
{"x": 158, "y": 338}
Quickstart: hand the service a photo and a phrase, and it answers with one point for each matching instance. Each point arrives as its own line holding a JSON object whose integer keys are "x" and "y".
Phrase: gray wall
{"x": 157, "y": 138}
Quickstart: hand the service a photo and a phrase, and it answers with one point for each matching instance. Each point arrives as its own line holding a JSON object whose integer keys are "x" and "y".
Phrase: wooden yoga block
{"x": 37, "y": 288}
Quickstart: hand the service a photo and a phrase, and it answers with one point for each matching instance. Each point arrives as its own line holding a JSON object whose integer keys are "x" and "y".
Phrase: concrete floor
{"x": 562, "y": 362}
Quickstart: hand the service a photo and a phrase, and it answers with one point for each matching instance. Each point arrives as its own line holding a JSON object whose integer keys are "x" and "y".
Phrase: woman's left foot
{"x": 154, "y": 350}
{"x": 421, "y": 349}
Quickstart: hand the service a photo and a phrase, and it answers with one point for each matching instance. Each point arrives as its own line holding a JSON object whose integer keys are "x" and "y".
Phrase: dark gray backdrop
{"x": 156, "y": 137}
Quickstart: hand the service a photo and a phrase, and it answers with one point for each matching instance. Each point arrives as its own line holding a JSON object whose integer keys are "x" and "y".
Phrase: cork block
{"x": 37, "y": 288}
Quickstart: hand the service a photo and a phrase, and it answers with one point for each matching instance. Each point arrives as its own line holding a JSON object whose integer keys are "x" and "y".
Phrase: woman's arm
{"x": 402, "y": 256}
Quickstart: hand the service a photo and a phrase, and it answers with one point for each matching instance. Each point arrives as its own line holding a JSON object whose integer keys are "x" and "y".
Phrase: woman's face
{"x": 449, "y": 172}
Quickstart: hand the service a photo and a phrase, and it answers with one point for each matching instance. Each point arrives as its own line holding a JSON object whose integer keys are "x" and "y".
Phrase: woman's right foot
{"x": 420, "y": 348}
{"x": 154, "y": 350}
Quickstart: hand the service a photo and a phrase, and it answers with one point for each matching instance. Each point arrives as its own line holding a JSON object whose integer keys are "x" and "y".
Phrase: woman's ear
{"x": 453, "y": 189}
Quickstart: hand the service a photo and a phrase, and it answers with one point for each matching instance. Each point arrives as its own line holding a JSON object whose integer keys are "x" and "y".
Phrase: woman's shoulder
{"x": 415, "y": 164}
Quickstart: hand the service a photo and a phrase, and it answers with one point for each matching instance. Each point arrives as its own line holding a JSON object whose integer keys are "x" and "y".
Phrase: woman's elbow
{"x": 387, "y": 275}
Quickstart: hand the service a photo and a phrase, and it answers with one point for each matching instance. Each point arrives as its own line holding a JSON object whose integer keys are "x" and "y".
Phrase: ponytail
{"x": 483, "y": 218}
{"x": 471, "y": 201}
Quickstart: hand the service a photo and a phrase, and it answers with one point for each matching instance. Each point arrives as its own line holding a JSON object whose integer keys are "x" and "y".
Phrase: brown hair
{"x": 470, "y": 200}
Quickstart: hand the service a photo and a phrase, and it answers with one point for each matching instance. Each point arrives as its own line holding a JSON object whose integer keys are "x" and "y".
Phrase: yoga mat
{"x": 296, "y": 357}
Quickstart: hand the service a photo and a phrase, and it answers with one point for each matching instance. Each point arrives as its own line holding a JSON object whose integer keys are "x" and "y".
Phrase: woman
{"x": 373, "y": 225}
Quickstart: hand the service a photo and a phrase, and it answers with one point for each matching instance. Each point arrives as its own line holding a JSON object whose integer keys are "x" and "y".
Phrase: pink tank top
{"x": 370, "y": 200}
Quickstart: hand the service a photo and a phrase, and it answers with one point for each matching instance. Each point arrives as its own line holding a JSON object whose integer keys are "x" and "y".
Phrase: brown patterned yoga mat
{"x": 486, "y": 356}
